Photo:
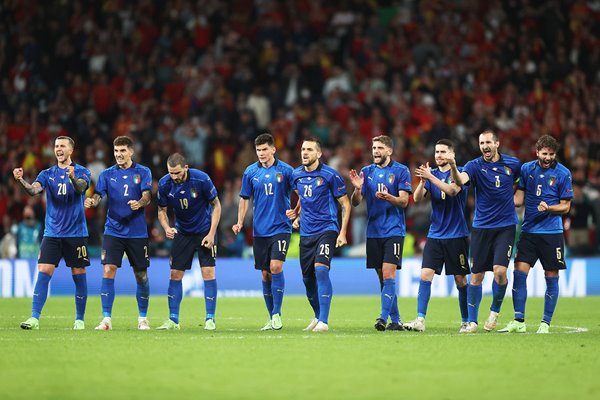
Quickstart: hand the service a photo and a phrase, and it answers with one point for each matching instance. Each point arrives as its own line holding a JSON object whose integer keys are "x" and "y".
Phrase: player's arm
{"x": 558, "y": 209}
{"x": 420, "y": 192}
{"x": 294, "y": 212}
{"x": 459, "y": 178}
{"x": 345, "y": 204}
{"x": 519, "y": 197}
{"x": 79, "y": 184}
{"x": 242, "y": 209}
{"x": 424, "y": 172}
{"x": 358, "y": 182}
{"x": 31, "y": 188}
{"x": 215, "y": 217}
{"x": 141, "y": 203}
{"x": 92, "y": 201}
{"x": 163, "y": 219}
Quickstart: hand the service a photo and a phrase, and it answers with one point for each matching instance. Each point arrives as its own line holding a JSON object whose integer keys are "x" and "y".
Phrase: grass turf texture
{"x": 352, "y": 360}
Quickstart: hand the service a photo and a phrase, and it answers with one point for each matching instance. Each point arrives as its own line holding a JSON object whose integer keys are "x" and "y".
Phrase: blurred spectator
{"x": 28, "y": 234}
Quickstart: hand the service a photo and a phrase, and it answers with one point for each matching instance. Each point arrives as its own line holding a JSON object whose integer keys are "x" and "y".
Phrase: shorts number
{"x": 497, "y": 180}
{"x": 462, "y": 260}
{"x": 126, "y": 190}
{"x": 81, "y": 252}
{"x": 269, "y": 189}
{"x": 184, "y": 203}
{"x": 307, "y": 191}
{"x": 146, "y": 251}
{"x": 324, "y": 250}
{"x": 397, "y": 249}
{"x": 538, "y": 191}
{"x": 509, "y": 251}
{"x": 443, "y": 195}
{"x": 282, "y": 244}
{"x": 558, "y": 253}
{"x": 62, "y": 189}
{"x": 213, "y": 251}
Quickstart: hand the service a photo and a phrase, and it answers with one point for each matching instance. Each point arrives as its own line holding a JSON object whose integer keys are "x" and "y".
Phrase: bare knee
{"x": 110, "y": 271}
{"x": 208, "y": 273}
{"x": 177, "y": 275}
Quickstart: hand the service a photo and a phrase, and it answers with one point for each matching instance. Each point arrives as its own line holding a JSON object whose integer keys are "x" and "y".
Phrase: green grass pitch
{"x": 351, "y": 361}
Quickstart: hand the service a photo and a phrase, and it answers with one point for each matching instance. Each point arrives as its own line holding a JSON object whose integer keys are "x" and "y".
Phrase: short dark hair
{"x": 386, "y": 140}
{"x": 123, "y": 141}
{"x": 264, "y": 138}
{"x": 176, "y": 159}
{"x": 547, "y": 141}
{"x": 315, "y": 140}
{"x": 68, "y": 139}
{"x": 494, "y": 134}
{"x": 446, "y": 142}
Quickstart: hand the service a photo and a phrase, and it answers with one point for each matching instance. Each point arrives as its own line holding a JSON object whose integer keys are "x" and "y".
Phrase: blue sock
{"x": 310, "y": 283}
{"x": 278, "y": 287}
{"x": 325, "y": 290}
{"x": 81, "y": 293}
{"x": 519, "y": 294}
{"x": 498, "y": 292}
{"x": 142, "y": 294}
{"x": 474, "y": 294}
{"x": 423, "y": 297}
{"x": 551, "y": 298}
{"x": 210, "y": 298}
{"x": 107, "y": 295}
{"x": 387, "y": 297}
{"x": 268, "y": 296}
{"x": 462, "y": 303}
{"x": 394, "y": 312}
{"x": 40, "y": 294}
{"x": 175, "y": 295}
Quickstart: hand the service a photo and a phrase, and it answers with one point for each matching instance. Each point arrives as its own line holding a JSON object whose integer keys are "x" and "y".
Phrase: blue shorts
{"x": 73, "y": 250}
{"x": 491, "y": 247}
{"x": 548, "y": 248}
{"x": 453, "y": 253}
{"x": 183, "y": 250}
{"x": 317, "y": 249}
{"x": 384, "y": 250}
{"x": 114, "y": 247}
{"x": 270, "y": 248}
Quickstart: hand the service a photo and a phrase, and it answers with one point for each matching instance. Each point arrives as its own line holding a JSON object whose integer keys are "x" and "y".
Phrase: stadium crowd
{"x": 206, "y": 77}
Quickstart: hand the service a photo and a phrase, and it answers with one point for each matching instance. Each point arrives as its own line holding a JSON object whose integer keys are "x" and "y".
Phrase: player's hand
{"x": 18, "y": 173}
{"x": 237, "y": 228}
{"x": 170, "y": 233}
{"x": 543, "y": 207}
{"x": 341, "y": 240}
{"x": 208, "y": 241}
{"x": 384, "y": 194}
{"x": 89, "y": 203}
{"x": 424, "y": 171}
{"x": 134, "y": 204}
{"x": 450, "y": 157}
{"x": 296, "y": 223}
{"x": 356, "y": 179}
{"x": 71, "y": 171}
{"x": 291, "y": 214}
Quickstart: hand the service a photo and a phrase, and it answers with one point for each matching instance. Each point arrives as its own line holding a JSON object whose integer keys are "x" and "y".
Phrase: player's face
{"x": 381, "y": 153}
{"x": 488, "y": 146}
{"x": 123, "y": 155}
{"x": 441, "y": 151}
{"x": 178, "y": 173}
{"x": 265, "y": 153}
{"x": 310, "y": 153}
{"x": 546, "y": 157}
{"x": 62, "y": 150}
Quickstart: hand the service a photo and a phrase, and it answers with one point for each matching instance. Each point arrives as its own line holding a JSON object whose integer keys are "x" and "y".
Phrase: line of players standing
{"x": 543, "y": 187}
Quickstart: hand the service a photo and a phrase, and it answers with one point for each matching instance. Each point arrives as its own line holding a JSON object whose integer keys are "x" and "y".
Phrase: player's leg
{"x": 137, "y": 253}
{"x": 456, "y": 256}
{"x": 50, "y": 255}
{"x": 325, "y": 247}
{"x": 503, "y": 246}
{"x": 113, "y": 249}
{"x": 309, "y": 278}
{"x": 210, "y": 296}
{"x": 261, "y": 262}
{"x": 482, "y": 251}
{"x": 278, "y": 251}
{"x": 462, "y": 286}
{"x": 74, "y": 251}
{"x": 552, "y": 262}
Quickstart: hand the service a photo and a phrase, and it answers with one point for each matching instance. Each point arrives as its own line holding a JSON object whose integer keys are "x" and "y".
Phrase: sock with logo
{"x": 81, "y": 294}
{"x": 498, "y": 292}
{"x": 142, "y": 294}
{"x": 268, "y": 295}
{"x": 175, "y": 295}
{"x": 278, "y": 286}
{"x": 325, "y": 291}
{"x": 210, "y": 297}
{"x": 107, "y": 296}
{"x": 423, "y": 297}
{"x": 551, "y": 298}
{"x": 40, "y": 294}
{"x": 519, "y": 294}
{"x": 474, "y": 293}
{"x": 310, "y": 283}
{"x": 387, "y": 297}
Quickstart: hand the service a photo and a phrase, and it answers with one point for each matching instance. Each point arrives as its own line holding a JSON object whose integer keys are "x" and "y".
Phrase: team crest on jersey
{"x": 552, "y": 180}
{"x": 137, "y": 179}
{"x": 390, "y": 178}
{"x": 279, "y": 177}
{"x": 194, "y": 193}
{"x": 507, "y": 171}
{"x": 319, "y": 181}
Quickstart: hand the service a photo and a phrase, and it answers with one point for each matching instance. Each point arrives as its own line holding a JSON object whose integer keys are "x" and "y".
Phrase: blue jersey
{"x": 448, "y": 219}
{"x": 549, "y": 185}
{"x": 190, "y": 200}
{"x": 318, "y": 191}
{"x": 64, "y": 206}
{"x": 121, "y": 186}
{"x": 383, "y": 218}
{"x": 270, "y": 188}
{"x": 493, "y": 185}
